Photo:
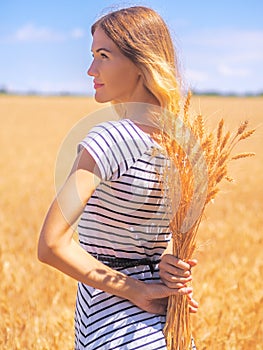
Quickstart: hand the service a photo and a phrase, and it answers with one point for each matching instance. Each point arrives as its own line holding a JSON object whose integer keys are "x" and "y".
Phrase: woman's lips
{"x": 97, "y": 85}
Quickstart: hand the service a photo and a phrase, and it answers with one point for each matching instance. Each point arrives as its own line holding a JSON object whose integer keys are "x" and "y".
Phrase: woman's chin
{"x": 101, "y": 99}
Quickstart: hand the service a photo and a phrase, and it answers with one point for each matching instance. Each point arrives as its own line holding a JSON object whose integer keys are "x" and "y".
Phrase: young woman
{"x": 122, "y": 264}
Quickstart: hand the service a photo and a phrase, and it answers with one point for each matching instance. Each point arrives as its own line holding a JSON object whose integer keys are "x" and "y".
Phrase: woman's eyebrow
{"x": 102, "y": 49}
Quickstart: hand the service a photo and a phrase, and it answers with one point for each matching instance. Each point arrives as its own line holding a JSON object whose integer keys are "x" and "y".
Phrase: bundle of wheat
{"x": 198, "y": 162}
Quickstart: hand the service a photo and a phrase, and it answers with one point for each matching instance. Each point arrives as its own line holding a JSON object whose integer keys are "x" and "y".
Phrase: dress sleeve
{"x": 115, "y": 147}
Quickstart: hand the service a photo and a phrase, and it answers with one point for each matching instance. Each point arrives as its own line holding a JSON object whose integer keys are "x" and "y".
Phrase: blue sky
{"x": 45, "y": 45}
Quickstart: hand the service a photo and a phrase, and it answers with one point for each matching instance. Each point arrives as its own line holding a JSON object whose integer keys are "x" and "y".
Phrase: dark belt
{"x": 125, "y": 262}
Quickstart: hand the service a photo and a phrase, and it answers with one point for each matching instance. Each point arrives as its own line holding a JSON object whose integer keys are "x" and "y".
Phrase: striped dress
{"x": 124, "y": 218}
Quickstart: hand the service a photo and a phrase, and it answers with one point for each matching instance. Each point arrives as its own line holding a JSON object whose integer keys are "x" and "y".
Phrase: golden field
{"x": 37, "y": 302}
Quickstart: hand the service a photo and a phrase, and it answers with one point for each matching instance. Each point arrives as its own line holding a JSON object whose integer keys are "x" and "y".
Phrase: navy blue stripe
{"x": 125, "y": 222}
{"x": 128, "y": 192}
{"x": 131, "y": 306}
{"x": 89, "y": 148}
{"x": 100, "y": 135}
{"x": 130, "y": 208}
{"x": 143, "y": 161}
{"x": 104, "y": 307}
{"x": 130, "y": 200}
{"x": 123, "y": 244}
{"x": 79, "y": 305}
{"x": 117, "y": 145}
{"x": 147, "y": 171}
{"x": 145, "y": 345}
{"x": 111, "y": 240}
{"x": 124, "y": 139}
{"x": 109, "y": 210}
{"x": 128, "y": 216}
{"x": 135, "y": 128}
{"x": 130, "y": 341}
{"x": 141, "y": 178}
{"x": 116, "y": 250}
{"x": 118, "y": 236}
{"x": 137, "y": 186}
{"x": 123, "y": 228}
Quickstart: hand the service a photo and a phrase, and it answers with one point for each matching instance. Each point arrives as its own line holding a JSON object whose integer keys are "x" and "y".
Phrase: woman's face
{"x": 116, "y": 78}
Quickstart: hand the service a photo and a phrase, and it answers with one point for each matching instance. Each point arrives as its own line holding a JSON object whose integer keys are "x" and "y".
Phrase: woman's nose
{"x": 92, "y": 71}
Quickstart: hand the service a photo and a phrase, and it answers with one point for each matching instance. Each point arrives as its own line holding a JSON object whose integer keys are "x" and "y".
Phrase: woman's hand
{"x": 176, "y": 273}
{"x": 153, "y": 297}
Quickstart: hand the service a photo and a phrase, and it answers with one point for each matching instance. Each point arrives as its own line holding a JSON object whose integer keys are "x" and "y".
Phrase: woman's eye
{"x": 103, "y": 55}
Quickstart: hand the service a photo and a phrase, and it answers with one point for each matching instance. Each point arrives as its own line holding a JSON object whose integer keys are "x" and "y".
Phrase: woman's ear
{"x": 140, "y": 76}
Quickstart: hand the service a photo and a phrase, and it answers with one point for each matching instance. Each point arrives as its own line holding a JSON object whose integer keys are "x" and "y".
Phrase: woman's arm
{"x": 58, "y": 248}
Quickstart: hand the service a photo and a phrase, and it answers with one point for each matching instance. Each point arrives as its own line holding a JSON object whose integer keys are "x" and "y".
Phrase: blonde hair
{"x": 142, "y": 35}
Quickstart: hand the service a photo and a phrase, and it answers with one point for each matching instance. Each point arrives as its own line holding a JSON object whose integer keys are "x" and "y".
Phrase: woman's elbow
{"x": 44, "y": 252}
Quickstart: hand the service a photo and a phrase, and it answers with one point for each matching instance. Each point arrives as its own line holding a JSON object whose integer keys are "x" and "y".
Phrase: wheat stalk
{"x": 245, "y": 135}
{"x": 243, "y": 155}
{"x": 195, "y": 143}
{"x": 219, "y": 131}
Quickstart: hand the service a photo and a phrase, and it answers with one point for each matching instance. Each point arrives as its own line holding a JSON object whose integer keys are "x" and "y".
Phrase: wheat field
{"x": 37, "y": 302}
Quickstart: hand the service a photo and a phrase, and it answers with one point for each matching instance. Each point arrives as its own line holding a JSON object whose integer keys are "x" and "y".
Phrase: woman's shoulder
{"x": 114, "y": 124}
{"x": 119, "y": 129}
{"x": 109, "y": 126}
{"x": 115, "y": 146}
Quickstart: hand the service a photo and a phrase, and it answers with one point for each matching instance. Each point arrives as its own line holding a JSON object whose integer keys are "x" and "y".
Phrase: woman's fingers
{"x": 174, "y": 272}
{"x": 175, "y": 282}
{"x": 174, "y": 266}
{"x": 192, "y": 262}
{"x": 193, "y": 310}
{"x": 172, "y": 261}
{"x": 193, "y": 304}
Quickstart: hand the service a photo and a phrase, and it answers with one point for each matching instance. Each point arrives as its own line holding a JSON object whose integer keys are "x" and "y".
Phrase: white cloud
{"x": 77, "y": 33}
{"x": 194, "y": 78}
{"x": 229, "y": 45}
{"x": 33, "y": 33}
{"x": 225, "y": 38}
{"x": 196, "y": 75}
{"x": 229, "y": 71}
{"x": 224, "y": 59}
{"x": 30, "y": 32}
